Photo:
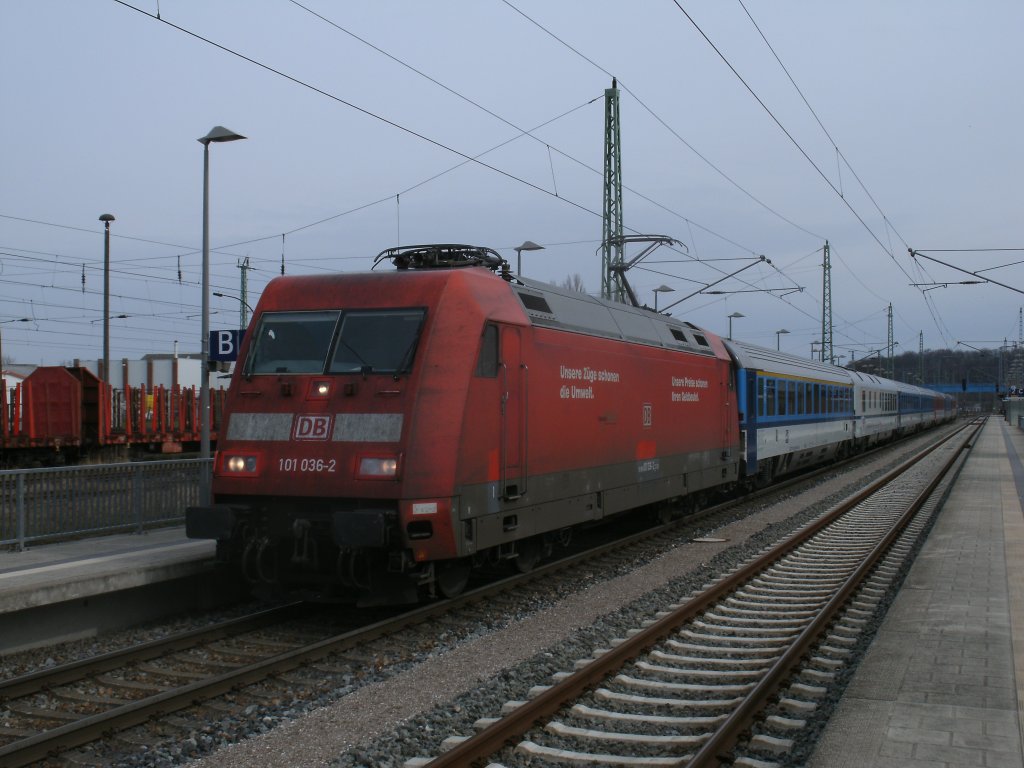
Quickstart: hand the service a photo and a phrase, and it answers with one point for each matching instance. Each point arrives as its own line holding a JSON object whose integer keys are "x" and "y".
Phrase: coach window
{"x": 487, "y": 364}
{"x": 769, "y": 390}
{"x": 760, "y": 396}
{"x": 782, "y": 387}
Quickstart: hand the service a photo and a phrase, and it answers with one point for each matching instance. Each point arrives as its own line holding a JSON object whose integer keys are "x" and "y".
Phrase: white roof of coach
{"x": 785, "y": 364}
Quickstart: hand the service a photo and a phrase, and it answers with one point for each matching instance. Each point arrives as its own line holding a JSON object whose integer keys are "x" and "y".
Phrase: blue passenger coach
{"x": 877, "y": 404}
{"x": 793, "y": 412}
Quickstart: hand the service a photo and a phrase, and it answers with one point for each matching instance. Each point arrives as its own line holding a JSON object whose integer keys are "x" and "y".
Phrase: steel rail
{"x": 93, "y": 727}
{"x": 90, "y": 728}
{"x": 32, "y": 682}
{"x": 494, "y": 737}
{"x": 725, "y": 736}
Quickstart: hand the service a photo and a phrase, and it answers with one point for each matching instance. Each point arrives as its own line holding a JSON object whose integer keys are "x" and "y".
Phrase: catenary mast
{"x": 611, "y": 237}
{"x": 827, "y": 353}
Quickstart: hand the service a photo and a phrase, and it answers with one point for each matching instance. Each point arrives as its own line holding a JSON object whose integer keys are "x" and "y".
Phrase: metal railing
{"x": 70, "y": 502}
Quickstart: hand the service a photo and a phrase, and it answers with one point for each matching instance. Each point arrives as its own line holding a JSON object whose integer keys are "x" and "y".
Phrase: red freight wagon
{"x": 387, "y": 431}
{"x": 59, "y": 414}
{"x": 49, "y": 412}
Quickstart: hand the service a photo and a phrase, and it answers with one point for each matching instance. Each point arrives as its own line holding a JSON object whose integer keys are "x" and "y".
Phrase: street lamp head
{"x": 529, "y": 245}
{"x": 778, "y": 337}
{"x": 106, "y": 218}
{"x": 661, "y": 289}
{"x": 221, "y": 295}
{"x": 733, "y": 315}
{"x": 218, "y": 134}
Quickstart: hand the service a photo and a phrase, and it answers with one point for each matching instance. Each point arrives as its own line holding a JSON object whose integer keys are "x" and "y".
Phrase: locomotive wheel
{"x": 529, "y": 554}
{"x": 664, "y": 513}
{"x": 452, "y": 576}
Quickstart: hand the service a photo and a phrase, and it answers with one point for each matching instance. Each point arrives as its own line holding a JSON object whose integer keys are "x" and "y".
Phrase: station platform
{"x": 942, "y": 683}
{"x": 78, "y": 588}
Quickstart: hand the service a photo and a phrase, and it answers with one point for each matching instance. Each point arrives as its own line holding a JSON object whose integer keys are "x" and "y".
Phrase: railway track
{"x": 48, "y": 713}
{"x": 731, "y": 674}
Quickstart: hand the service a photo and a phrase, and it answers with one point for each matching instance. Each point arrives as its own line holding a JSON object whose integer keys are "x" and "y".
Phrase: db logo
{"x": 312, "y": 428}
{"x": 648, "y": 414}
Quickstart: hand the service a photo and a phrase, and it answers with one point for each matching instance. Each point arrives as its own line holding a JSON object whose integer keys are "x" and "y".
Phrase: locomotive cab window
{"x": 364, "y": 341}
{"x": 292, "y": 342}
{"x": 376, "y": 341}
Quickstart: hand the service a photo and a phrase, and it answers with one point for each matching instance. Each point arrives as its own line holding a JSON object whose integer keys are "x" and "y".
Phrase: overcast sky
{"x": 359, "y": 118}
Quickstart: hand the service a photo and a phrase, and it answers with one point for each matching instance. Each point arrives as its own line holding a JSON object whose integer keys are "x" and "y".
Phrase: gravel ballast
{"x": 389, "y": 721}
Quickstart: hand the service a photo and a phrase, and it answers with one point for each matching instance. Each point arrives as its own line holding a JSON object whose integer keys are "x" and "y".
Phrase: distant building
{"x": 12, "y": 376}
{"x": 155, "y": 370}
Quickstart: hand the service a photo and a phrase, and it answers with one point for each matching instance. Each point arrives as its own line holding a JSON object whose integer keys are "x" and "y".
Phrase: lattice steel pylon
{"x": 920, "y": 358}
{"x": 1015, "y": 374}
{"x": 826, "y": 308}
{"x": 889, "y": 347}
{"x": 243, "y": 305}
{"x": 611, "y": 235}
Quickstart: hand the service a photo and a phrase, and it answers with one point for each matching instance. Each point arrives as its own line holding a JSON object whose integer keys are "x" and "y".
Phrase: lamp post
{"x": 778, "y": 336}
{"x": 15, "y": 320}
{"x": 106, "y": 218}
{"x": 661, "y": 289}
{"x": 529, "y": 245}
{"x": 733, "y": 315}
{"x": 217, "y": 134}
{"x": 239, "y": 299}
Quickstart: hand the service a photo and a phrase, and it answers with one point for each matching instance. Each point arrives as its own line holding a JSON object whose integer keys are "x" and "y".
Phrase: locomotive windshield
{"x": 363, "y": 341}
{"x": 381, "y": 342}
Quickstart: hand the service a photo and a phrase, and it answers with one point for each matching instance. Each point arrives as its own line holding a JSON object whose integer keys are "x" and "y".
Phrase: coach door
{"x": 513, "y": 415}
{"x": 730, "y": 399}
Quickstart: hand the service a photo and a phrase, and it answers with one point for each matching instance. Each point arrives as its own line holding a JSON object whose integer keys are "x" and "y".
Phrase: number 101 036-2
{"x": 306, "y": 465}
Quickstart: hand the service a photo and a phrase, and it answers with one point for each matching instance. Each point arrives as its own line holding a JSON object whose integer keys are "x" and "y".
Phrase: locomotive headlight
{"x": 319, "y": 389}
{"x": 373, "y": 466}
{"x": 237, "y": 464}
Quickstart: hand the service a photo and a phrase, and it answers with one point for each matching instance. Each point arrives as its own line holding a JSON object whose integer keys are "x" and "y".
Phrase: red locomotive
{"x": 388, "y": 431}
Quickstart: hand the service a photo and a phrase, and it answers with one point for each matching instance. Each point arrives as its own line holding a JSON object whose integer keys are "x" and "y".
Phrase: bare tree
{"x": 574, "y": 282}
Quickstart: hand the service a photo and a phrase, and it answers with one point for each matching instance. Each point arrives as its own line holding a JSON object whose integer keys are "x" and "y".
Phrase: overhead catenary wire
{"x": 659, "y": 119}
{"x": 839, "y": 153}
{"x": 292, "y": 252}
{"x": 466, "y": 157}
{"x": 351, "y": 105}
{"x": 521, "y": 132}
{"x": 790, "y": 136}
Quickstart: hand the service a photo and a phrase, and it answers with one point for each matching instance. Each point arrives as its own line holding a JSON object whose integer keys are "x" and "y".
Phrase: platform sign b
{"x": 224, "y": 345}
